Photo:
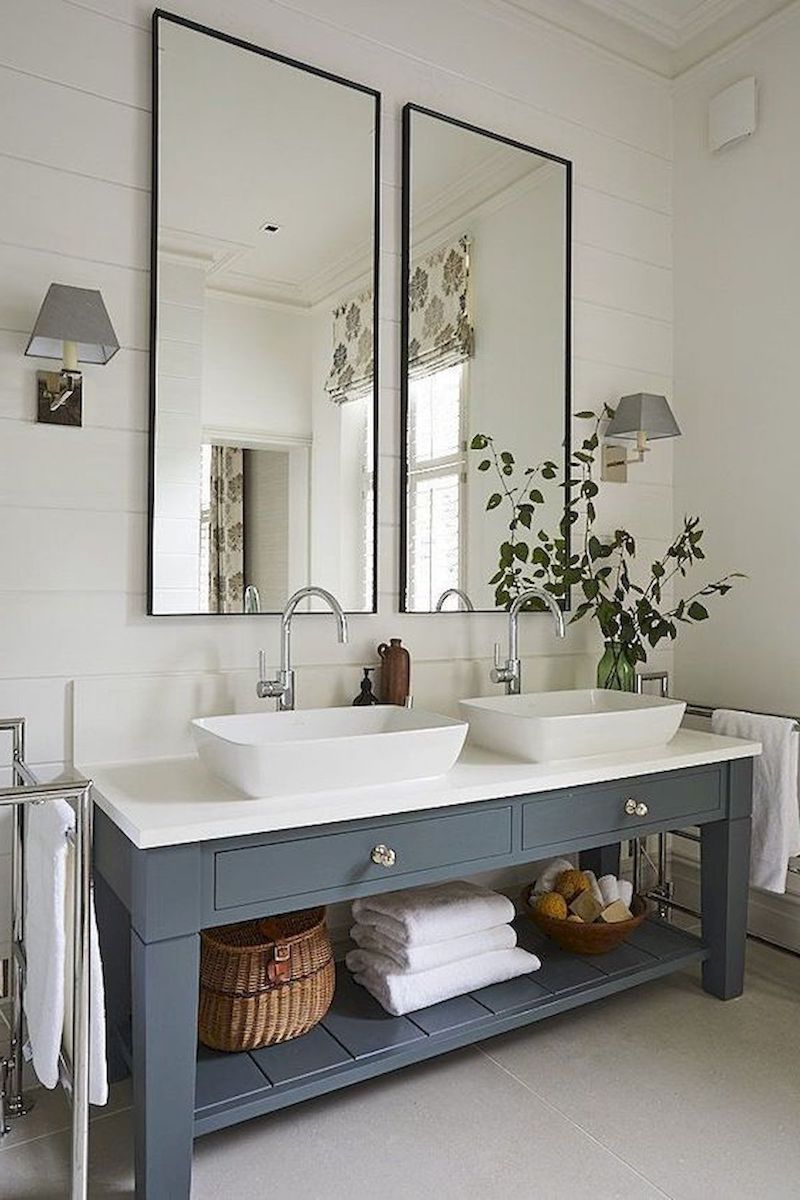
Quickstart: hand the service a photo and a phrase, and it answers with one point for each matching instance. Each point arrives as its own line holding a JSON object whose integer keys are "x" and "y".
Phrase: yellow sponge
{"x": 550, "y": 904}
{"x": 570, "y": 884}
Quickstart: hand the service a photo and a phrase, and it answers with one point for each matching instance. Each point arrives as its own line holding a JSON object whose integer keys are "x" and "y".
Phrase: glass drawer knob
{"x": 383, "y": 856}
{"x": 636, "y": 808}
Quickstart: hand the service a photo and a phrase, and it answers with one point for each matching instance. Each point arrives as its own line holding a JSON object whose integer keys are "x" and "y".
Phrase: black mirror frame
{"x": 160, "y": 15}
{"x": 405, "y": 269}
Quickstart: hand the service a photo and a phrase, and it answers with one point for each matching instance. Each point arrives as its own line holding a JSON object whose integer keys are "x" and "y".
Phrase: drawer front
{"x": 604, "y": 809}
{"x": 298, "y": 866}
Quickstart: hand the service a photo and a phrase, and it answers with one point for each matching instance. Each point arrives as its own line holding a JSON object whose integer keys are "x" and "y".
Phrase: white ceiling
{"x": 246, "y": 141}
{"x": 668, "y": 36}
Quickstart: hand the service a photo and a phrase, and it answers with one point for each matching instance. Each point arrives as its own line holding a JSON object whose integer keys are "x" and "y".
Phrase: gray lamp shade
{"x": 73, "y": 314}
{"x": 646, "y": 413}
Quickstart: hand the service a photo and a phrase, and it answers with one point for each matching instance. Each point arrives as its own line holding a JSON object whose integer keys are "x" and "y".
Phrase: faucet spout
{"x": 460, "y": 594}
{"x": 282, "y": 688}
{"x": 510, "y": 672}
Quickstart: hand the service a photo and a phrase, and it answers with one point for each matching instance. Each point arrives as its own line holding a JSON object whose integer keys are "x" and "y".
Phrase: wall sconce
{"x": 73, "y": 325}
{"x": 637, "y": 418}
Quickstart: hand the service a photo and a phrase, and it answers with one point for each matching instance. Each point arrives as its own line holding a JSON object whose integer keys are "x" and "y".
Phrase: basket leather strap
{"x": 279, "y": 968}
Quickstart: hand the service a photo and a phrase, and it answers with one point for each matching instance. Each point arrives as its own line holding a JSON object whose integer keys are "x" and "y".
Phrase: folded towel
{"x": 399, "y": 993}
{"x": 609, "y": 889}
{"x": 47, "y": 891}
{"x": 422, "y": 958}
{"x": 437, "y": 913}
{"x": 548, "y": 876}
{"x": 776, "y": 817}
{"x": 594, "y": 886}
{"x": 625, "y": 891}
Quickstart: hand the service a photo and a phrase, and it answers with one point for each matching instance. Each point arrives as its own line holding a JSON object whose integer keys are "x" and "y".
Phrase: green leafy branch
{"x": 633, "y": 616}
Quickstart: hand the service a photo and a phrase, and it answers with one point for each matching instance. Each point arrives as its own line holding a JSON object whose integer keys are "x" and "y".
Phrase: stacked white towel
{"x": 420, "y": 947}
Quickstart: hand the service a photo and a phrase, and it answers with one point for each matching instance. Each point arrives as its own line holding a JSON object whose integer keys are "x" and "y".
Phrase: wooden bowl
{"x": 579, "y": 938}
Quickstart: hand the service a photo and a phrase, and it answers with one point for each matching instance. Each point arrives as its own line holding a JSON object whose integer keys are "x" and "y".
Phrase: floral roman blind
{"x": 441, "y": 331}
{"x": 351, "y": 373}
{"x": 226, "y": 530}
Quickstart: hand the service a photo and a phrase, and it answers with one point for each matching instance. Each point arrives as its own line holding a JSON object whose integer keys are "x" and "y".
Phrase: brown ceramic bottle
{"x": 395, "y": 672}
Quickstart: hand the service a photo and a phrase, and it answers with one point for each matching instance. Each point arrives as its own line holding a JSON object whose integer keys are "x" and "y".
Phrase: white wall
{"x": 516, "y": 378}
{"x": 737, "y": 261}
{"x": 256, "y": 368}
{"x": 74, "y": 207}
{"x": 737, "y": 298}
{"x": 176, "y": 583}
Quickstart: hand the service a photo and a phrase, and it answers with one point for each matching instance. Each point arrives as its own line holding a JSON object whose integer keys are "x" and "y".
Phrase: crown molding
{"x": 449, "y": 219}
{"x": 587, "y": 29}
{"x": 765, "y": 27}
{"x": 621, "y": 31}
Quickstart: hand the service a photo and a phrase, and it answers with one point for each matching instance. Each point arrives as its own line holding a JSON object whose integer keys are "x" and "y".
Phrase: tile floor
{"x": 658, "y": 1092}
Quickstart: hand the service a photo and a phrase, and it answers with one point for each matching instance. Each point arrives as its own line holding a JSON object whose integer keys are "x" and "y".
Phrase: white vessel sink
{"x": 545, "y": 726}
{"x": 321, "y": 749}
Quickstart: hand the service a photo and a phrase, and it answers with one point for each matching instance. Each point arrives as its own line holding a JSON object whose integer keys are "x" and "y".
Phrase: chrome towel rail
{"x": 26, "y": 789}
{"x": 662, "y": 892}
{"x": 708, "y": 710}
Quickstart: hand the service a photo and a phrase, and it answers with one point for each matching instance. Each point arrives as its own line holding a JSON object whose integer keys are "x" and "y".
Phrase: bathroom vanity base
{"x": 153, "y": 901}
{"x": 358, "y": 1040}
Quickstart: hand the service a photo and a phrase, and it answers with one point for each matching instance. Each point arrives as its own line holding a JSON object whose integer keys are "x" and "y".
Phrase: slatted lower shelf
{"x": 358, "y": 1040}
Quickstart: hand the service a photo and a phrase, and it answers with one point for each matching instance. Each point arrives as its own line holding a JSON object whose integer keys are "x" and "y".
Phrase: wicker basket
{"x": 579, "y": 938}
{"x": 264, "y": 981}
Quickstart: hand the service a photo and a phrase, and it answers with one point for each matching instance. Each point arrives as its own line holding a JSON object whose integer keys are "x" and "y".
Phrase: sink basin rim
{"x": 571, "y": 724}
{"x": 270, "y": 761}
{"x": 431, "y": 722}
{"x": 632, "y": 702}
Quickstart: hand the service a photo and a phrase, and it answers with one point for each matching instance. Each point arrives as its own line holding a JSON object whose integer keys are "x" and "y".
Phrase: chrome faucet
{"x": 510, "y": 671}
{"x": 252, "y": 599}
{"x": 460, "y": 594}
{"x": 282, "y": 687}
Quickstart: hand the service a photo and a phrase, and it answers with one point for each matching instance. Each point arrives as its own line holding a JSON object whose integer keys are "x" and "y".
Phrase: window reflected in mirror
{"x": 485, "y": 360}
{"x": 264, "y": 389}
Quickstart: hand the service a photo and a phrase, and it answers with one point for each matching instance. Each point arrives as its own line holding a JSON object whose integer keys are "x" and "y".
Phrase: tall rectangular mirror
{"x": 485, "y": 361}
{"x": 263, "y": 411}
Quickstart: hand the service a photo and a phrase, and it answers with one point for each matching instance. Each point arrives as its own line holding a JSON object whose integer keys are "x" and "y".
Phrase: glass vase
{"x": 614, "y": 671}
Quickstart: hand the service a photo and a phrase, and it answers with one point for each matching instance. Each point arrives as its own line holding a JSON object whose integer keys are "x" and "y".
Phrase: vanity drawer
{"x": 603, "y": 809}
{"x": 303, "y": 865}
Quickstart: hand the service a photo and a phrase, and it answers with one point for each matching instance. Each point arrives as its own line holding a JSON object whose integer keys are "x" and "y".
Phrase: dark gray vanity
{"x": 153, "y": 902}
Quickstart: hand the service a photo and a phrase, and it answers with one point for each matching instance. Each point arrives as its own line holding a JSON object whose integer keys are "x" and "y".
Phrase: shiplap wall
{"x": 74, "y": 207}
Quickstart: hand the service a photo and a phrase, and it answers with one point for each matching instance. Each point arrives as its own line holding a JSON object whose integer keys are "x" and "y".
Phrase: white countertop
{"x": 170, "y": 801}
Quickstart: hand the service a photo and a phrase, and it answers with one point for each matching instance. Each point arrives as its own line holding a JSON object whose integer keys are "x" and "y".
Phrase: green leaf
{"x": 507, "y": 457}
{"x": 484, "y": 466}
{"x": 536, "y": 496}
{"x": 479, "y": 442}
{"x": 697, "y": 612}
{"x": 493, "y": 501}
{"x": 586, "y": 415}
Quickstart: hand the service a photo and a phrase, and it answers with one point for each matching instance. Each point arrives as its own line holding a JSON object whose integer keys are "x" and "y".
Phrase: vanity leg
{"x": 724, "y": 890}
{"x": 165, "y": 989}
{"x": 603, "y": 860}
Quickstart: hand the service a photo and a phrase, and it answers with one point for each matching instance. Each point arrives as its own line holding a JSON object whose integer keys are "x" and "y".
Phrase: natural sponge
{"x": 551, "y": 904}
{"x": 570, "y": 884}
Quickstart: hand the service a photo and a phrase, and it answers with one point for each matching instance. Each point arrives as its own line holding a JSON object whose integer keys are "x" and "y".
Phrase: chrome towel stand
{"x": 662, "y": 892}
{"x": 26, "y": 789}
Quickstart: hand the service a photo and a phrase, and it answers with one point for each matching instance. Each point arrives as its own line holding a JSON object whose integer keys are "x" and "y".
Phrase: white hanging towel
{"x": 49, "y": 875}
{"x": 776, "y": 810}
